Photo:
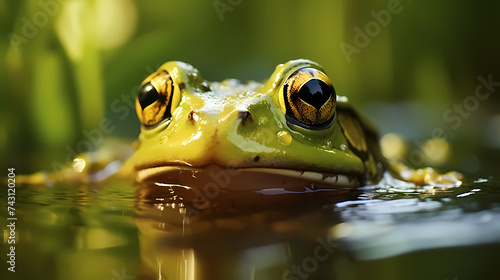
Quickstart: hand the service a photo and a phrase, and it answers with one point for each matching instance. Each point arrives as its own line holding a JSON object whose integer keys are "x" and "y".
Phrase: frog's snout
{"x": 245, "y": 117}
{"x": 194, "y": 116}
{"x": 197, "y": 117}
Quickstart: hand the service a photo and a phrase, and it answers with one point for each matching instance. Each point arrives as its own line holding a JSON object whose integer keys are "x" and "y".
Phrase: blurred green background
{"x": 71, "y": 69}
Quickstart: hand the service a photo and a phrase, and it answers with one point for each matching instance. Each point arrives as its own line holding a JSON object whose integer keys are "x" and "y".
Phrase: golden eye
{"x": 154, "y": 101}
{"x": 309, "y": 99}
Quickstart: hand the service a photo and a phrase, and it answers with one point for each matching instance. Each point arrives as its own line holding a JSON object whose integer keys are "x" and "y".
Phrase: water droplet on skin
{"x": 284, "y": 137}
{"x": 343, "y": 147}
{"x": 163, "y": 139}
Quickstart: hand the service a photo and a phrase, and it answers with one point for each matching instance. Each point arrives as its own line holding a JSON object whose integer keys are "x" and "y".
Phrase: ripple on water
{"x": 412, "y": 219}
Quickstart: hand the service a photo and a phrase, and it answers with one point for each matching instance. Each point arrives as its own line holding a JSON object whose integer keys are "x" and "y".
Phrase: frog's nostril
{"x": 245, "y": 117}
{"x": 193, "y": 117}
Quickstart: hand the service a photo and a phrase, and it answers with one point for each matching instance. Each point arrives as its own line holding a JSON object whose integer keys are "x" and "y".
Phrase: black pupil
{"x": 315, "y": 92}
{"x": 147, "y": 95}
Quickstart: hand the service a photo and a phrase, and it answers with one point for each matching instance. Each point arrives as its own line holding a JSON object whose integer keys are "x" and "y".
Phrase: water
{"x": 159, "y": 231}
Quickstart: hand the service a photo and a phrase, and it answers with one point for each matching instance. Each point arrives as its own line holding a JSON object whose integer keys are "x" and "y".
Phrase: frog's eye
{"x": 154, "y": 101}
{"x": 309, "y": 99}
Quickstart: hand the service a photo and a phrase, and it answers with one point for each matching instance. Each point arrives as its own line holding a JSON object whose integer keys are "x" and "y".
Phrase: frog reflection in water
{"x": 293, "y": 127}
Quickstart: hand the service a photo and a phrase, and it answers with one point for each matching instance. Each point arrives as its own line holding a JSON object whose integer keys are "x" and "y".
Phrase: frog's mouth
{"x": 215, "y": 176}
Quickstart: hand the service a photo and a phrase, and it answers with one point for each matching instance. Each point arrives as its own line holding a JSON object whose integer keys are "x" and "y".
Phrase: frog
{"x": 292, "y": 128}
{"x": 294, "y": 125}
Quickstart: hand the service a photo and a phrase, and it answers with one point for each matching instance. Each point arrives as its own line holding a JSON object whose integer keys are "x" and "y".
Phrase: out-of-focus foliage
{"x": 71, "y": 68}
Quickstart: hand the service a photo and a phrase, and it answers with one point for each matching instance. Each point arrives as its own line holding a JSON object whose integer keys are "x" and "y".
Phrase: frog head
{"x": 287, "y": 126}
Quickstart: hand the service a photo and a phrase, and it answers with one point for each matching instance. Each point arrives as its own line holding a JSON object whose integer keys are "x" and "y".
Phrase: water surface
{"x": 158, "y": 230}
